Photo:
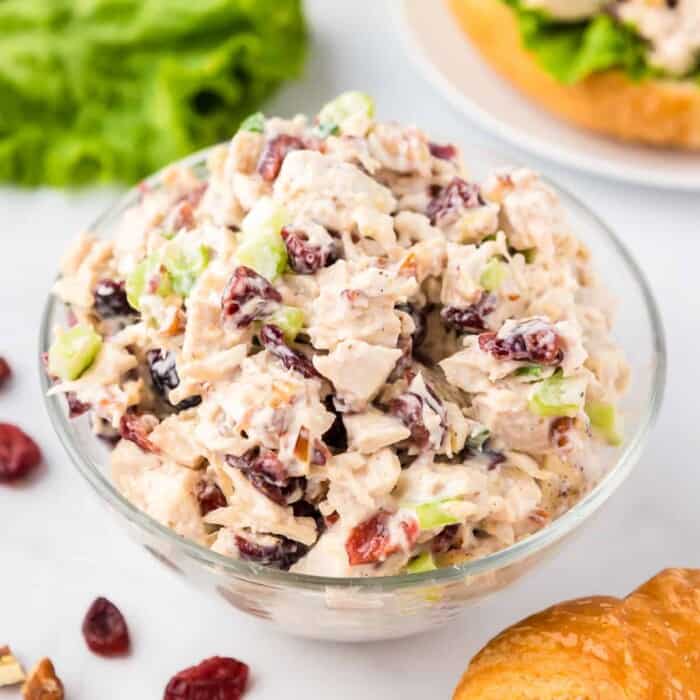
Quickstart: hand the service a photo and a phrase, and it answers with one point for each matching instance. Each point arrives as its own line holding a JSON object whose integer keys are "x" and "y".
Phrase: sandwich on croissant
{"x": 642, "y": 647}
{"x": 624, "y": 68}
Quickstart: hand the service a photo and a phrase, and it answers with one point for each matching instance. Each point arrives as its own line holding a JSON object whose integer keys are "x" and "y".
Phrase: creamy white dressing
{"x": 326, "y": 453}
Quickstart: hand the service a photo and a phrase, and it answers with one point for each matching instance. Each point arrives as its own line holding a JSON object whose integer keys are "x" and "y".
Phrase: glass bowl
{"x": 352, "y": 609}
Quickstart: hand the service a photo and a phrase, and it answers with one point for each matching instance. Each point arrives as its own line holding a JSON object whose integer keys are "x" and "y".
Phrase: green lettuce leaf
{"x": 111, "y": 90}
{"x": 571, "y": 51}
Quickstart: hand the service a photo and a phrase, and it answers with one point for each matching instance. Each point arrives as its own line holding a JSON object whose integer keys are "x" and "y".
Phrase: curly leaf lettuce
{"x": 110, "y": 90}
{"x": 571, "y": 51}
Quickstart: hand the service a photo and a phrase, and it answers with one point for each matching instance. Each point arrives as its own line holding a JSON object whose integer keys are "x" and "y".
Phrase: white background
{"x": 58, "y": 548}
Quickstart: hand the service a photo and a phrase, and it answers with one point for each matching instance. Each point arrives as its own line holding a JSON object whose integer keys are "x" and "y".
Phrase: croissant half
{"x": 643, "y": 647}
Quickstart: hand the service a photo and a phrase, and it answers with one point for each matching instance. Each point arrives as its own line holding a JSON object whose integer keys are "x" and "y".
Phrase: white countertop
{"x": 59, "y": 549}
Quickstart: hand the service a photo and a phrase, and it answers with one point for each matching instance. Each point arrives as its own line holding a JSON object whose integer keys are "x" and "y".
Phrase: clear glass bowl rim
{"x": 237, "y": 568}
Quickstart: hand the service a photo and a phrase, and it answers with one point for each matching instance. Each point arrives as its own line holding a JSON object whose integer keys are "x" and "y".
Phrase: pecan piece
{"x": 42, "y": 683}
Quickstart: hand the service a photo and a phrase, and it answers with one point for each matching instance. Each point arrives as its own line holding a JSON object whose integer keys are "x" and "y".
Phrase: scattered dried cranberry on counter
{"x": 216, "y": 678}
{"x": 247, "y": 297}
{"x": 19, "y": 454}
{"x": 5, "y": 371}
{"x": 306, "y": 258}
{"x": 447, "y": 204}
{"x": 274, "y": 153}
{"x": 533, "y": 340}
{"x": 272, "y": 338}
{"x": 105, "y": 630}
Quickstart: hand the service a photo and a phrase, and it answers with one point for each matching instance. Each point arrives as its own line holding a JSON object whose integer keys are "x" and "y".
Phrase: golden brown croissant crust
{"x": 659, "y": 112}
{"x": 642, "y": 647}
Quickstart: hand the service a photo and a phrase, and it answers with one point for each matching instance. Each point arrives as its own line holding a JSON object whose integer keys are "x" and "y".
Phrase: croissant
{"x": 656, "y": 111}
{"x": 642, "y": 647}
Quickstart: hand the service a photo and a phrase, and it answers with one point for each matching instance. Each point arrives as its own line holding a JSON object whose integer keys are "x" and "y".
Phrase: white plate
{"x": 444, "y": 53}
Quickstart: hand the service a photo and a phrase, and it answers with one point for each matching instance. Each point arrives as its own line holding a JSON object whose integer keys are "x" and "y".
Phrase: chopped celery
{"x": 262, "y": 247}
{"x": 344, "y": 107}
{"x": 266, "y": 254}
{"x": 74, "y": 351}
{"x": 420, "y": 564}
{"x": 493, "y": 275}
{"x": 531, "y": 371}
{"x": 432, "y": 515}
{"x": 605, "y": 421}
{"x": 267, "y": 216}
{"x": 255, "y": 122}
{"x": 138, "y": 281}
{"x": 289, "y": 319}
{"x": 558, "y": 396}
{"x": 185, "y": 266}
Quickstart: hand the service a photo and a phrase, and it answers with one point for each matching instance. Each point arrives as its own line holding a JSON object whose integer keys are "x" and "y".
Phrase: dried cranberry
{"x": 216, "y": 678}
{"x": 110, "y": 299}
{"x": 267, "y": 474}
{"x": 136, "y": 428}
{"x": 19, "y": 454}
{"x": 447, "y": 205}
{"x": 448, "y": 538}
{"x": 408, "y": 408}
{"x": 444, "y": 152}
{"x": 306, "y": 258}
{"x": 331, "y": 519}
{"x": 529, "y": 341}
{"x": 274, "y": 153}
{"x": 5, "y": 371}
{"x": 105, "y": 630}
{"x": 281, "y": 555}
{"x": 370, "y": 541}
{"x": 247, "y": 297}
{"x": 470, "y": 319}
{"x": 209, "y": 496}
{"x": 161, "y": 365}
{"x": 272, "y": 339}
{"x": 75, "y": 406}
